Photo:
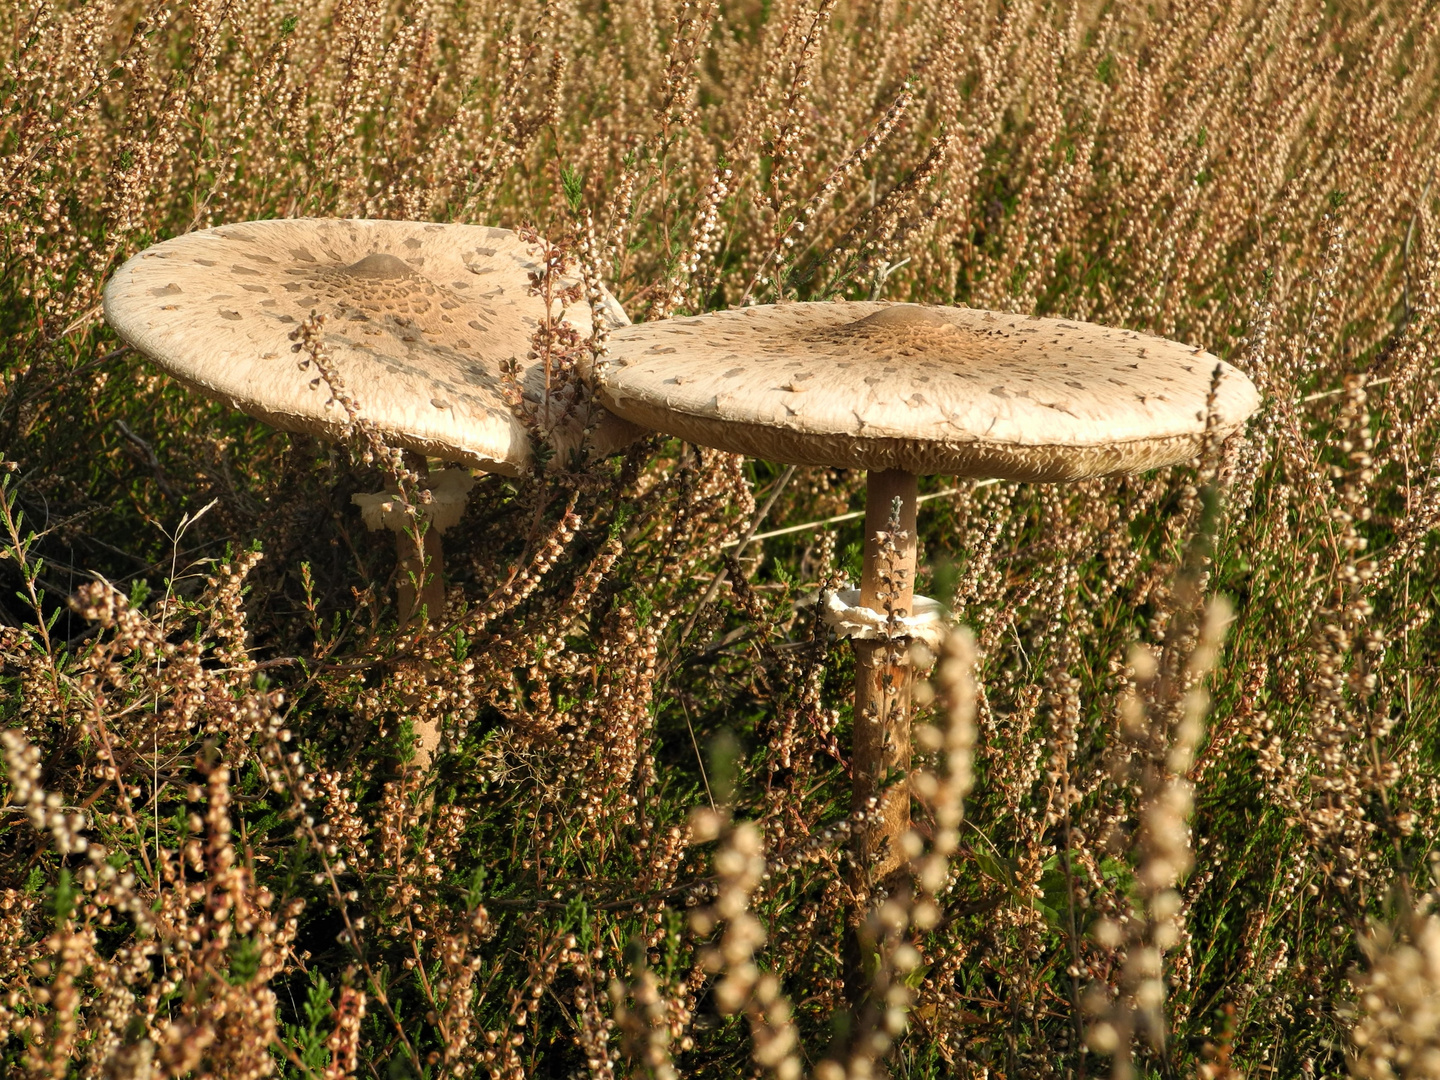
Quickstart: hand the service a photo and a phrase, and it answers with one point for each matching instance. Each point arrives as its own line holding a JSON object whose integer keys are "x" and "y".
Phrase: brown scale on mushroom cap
{"x": 419, "y": 319}
{"x": 926, "y": 390}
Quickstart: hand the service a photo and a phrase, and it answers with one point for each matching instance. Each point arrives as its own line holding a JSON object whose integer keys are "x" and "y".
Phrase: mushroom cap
{"x": 946, "y": 390}
{"x": 419, "y": 319}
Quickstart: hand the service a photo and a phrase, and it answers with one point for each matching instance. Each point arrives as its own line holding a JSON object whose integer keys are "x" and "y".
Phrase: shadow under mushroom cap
{"x": 929, "y": 390}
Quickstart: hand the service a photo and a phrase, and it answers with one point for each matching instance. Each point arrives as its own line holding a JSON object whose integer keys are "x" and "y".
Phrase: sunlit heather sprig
{"x": 593, "y": 1029}
{"x": 1164, "y": 713}
{"x": 894, "y": 577}
{"x": 618, "y": 215}
{"x": 820, "y": 845}
{"x": 795, "y": 128}
{"x": 191, "y": 929}
{"x": 1396, "y": 1013}
{"x": 900, "y": 220}
{"x": 944, "y": 788}
{"x": 588, "y": 262}
{"x": 227, "y": 615}
{"x": 1345, "y": 678}
{"x": 455, "y": 990}
{"x": 714, "y": 505}
{"x": 149, "y": 155}
{"x": 309, "y": 339}
{"x": 555, "y": 345}
{"x": 892, "y": 927}
{"x": 794, "y": 132}
{"x": 785, "y": 241}
{"x": 1412, "y": 355}
{"x": 344, "y": 1041}
{"x": 358, "y": 29}
{"x": 677, "y": 85}
{"x": 805, "y": 718}
{"x": 693, "y": 25}
{"x": 527, "y": 578}
{"x": 501, "y": 1054}
{"x": 46, "y": 810}
{"x": 740, "y": 867}
{"x": 1325, "y": 775}
{"x": 704, "y": 243}
{"x": 505, "y": 130}
{"x": 653, "y": 1017}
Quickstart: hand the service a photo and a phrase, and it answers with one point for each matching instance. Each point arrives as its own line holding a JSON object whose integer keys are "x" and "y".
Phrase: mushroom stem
{"x": 421, "y": 565}
{"x": 421, "y": 585}
{"x": 883, "y": 677}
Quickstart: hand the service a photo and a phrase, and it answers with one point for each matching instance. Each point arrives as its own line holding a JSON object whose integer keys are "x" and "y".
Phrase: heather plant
{"x": 1173, "y": 801}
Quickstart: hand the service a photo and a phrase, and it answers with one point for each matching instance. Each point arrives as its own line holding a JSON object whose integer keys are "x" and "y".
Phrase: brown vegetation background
{"x": 1202, "y": 718}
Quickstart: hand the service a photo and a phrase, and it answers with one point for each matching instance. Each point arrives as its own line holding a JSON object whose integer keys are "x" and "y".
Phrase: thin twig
{"x": 883, "y": 275}
{"x": 851, "y": 516}
{"x": 1341, "y": 389}
{"x": 1409, "y": 234}
{"x": 80, "y": 321}
{"x": 698, "y": 758}
{"x": 150, "y": 458}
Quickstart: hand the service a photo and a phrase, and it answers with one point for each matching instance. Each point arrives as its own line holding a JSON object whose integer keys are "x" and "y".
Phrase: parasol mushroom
{"x": 420, "y": 320}
{"x": 902, "y": 391}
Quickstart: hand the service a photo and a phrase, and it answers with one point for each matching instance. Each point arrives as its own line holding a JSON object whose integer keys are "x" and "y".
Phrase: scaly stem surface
{"x": 883, "y": 676}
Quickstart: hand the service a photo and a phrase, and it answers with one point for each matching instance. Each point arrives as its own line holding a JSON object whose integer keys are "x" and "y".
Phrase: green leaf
{"x": 62, "y": 900}
{"x": 317, "y": 1003}
{"x": 474, "y": 893}
{"x": 574, "y": 184}
{"x": 244, "y": 961}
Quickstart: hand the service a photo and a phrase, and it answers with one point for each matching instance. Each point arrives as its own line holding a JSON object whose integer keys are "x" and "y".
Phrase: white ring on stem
{"x": 448, "y": 491}
{"x": 928, "y": 621}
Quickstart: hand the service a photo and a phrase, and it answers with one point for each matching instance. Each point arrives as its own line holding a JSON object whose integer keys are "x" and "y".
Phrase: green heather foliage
{"x": 1203, "y": 719}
